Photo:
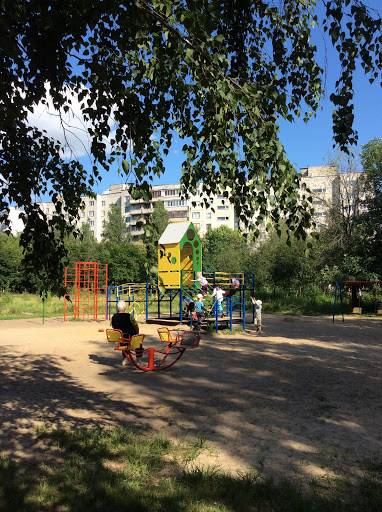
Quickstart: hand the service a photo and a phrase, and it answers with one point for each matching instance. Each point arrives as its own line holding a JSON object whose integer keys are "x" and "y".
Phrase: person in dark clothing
{"x": 128, "y": 325}
{"x": 189, "y": 306}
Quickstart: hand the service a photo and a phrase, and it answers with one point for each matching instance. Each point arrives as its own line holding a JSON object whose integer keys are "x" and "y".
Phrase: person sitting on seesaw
{"x": 128, "y": 325}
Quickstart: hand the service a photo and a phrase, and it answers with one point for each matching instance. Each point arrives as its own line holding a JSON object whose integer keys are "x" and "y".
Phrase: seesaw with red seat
{"x": 177, "y": 342}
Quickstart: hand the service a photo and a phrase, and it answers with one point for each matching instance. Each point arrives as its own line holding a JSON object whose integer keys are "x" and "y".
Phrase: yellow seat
{"x": 136, "y": 341}
{"x": 114, "y": 335}
{"x": 357, "y": 311}
{"x": 379, "y": 311}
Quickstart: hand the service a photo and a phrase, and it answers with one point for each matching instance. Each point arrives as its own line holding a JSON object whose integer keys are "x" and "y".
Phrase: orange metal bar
{"x": 151, "y": 359}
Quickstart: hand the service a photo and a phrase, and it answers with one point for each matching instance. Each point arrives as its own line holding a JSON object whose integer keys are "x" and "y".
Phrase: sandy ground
{"x": 301, "y": 400}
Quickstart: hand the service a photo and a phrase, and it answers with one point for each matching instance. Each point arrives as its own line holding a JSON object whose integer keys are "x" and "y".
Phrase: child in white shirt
{"x": 218, "y": 293}
{"x": 258, "y": 305}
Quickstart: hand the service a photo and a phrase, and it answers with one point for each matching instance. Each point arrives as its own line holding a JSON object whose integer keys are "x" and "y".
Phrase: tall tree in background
{"x": 283, "y": 263}
{"x": 11, "y": 268}
{"x": 83, "y": 247}
{"x": 350, "y": 242}
{"x": 154, "y": 226}
{"x": 115, "y": 228}
{"x": 371, "y": 157}
{"x": 339, "y": 236}
{"x": 226, "y": 250}
{"x": 218, "y": 73}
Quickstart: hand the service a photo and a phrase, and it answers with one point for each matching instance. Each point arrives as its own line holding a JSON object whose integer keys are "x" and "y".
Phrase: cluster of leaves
{"x": 219, "y": 73}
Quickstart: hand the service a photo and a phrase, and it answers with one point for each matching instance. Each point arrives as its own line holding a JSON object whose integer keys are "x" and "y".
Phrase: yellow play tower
{"x": 179, "y": 255}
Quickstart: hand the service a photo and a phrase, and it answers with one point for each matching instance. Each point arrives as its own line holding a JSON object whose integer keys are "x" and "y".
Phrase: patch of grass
{"x": 26, "y": 305}
{"x": 235, "y": 330}
{"x": 123, "y": 470}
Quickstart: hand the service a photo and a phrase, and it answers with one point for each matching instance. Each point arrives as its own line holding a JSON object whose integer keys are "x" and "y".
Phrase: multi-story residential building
{"x": 331, "y": 189}
{"x": 220, "y": 211}
{"x": 327, "y": 186}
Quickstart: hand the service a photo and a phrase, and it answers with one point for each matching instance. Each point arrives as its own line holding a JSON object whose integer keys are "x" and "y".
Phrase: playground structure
{"x": 356, "y": 298}
{"x": 86, "y": 290}
{"x": 179, "y": 261}
{"x": 154, "y": 359}
{"x": 179, "y": 264}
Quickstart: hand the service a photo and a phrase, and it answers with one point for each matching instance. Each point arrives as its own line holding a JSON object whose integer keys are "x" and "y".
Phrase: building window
{"x": 320, "y": 214}
{"x": 103, "y": 203}
{"x": 319, "y": 190}
{"x": 173, "y": 192}
{"x": 174, "y": 203}
{"x": 66, "y": 216}
{"x": 91, "y": 222}
{"x": 47, "y": 210}
{"x": 178, "y": 214}
{"x": 127, "y": 209}
{"x": 196, "y": 215}
{"x": 127, "y": 219}
{"x": 223, "y": 218}
{"x": 157, "y": 193}
{"x": 102, "y": 214}
{"x": 92, "y": 233}
{"x": 208, "y": 215}
{"x": 91, "y": 213}
{"x": 223, "y": 207}
{"x": 197, "y": 225}
{"x": 103, "y": 223}
{"x": 318, "y": 202}
{"x": 82, "y": 214}
{"x": 208, "y": 226}
{"x": 91, "y": 203}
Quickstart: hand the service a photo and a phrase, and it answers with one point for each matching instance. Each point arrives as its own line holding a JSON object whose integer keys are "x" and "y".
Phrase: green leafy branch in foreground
{"x": 219, "y": 74}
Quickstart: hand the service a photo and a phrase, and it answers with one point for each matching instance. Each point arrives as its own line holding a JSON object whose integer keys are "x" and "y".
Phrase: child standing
{"x": 258, "y": 305}
{"x": 200, "y": 311}
{"x": 219, "y": 293}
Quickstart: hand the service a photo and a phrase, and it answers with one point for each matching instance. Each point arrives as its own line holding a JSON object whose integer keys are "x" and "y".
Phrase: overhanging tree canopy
{"x": 219, "y": 72}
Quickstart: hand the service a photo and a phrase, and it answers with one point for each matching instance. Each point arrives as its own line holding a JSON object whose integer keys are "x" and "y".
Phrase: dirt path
{"x": 301, "y": 400}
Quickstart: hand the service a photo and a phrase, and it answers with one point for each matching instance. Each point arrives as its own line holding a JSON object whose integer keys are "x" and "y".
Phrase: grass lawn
{"x": 122, "y": 470}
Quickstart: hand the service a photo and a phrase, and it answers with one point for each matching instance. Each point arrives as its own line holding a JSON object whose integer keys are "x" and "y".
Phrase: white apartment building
{"x": 328, "y": 187}
{"x": 95, "y": 213}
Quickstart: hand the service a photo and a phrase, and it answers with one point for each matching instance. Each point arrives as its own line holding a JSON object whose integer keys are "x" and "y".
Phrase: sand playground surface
{"x": 301, "y": 400}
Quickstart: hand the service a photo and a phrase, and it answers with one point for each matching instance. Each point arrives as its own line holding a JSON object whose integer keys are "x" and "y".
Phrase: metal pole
{"x": 216, "y": 306}
{"x": 335, "y": 299}
{"x": 43, "y": 306}
{"x": 342, "y": 305}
